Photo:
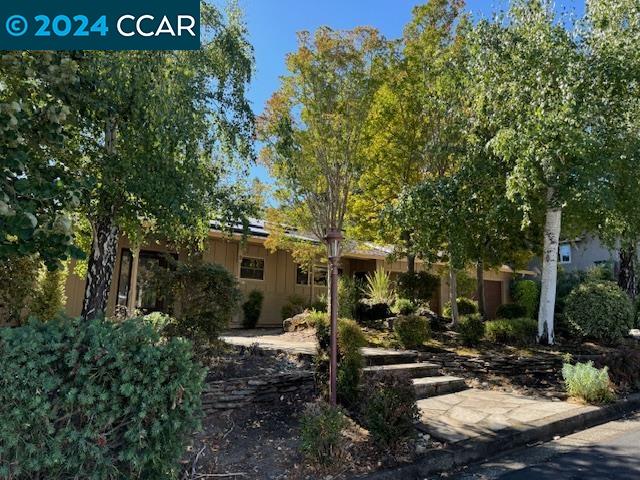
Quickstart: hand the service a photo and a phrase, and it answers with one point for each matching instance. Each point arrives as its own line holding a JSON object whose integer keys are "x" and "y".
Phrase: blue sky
{"x": 273, "y": 25}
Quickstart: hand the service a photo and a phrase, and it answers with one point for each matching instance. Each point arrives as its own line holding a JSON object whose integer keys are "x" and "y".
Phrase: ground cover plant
{"x": 587, "y": 383}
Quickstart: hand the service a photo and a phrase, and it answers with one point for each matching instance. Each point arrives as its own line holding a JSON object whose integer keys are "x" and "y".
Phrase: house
{"x": 257, "y": 268}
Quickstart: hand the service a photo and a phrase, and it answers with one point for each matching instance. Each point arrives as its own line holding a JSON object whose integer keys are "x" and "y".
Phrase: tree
{"x": 37, "y": 187}
{"x": 407, "y": 131}
{"x": 530, "y": 71}
{"x": 611, "y": 206}
{"x": 160, "y": 131}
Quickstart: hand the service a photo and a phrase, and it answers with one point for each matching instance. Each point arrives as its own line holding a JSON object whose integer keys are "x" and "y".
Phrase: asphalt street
{"x": 609, "y": 451}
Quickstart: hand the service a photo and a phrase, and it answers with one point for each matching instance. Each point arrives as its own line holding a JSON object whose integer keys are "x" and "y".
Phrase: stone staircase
{"x": 426, "y": 376}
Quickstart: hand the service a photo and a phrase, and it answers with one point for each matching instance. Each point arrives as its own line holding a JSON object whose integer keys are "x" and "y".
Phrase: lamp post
{"x": 333, "y": 239}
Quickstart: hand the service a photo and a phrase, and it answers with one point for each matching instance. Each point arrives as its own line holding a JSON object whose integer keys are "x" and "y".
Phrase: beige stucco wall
{"x": 279, "y": 276}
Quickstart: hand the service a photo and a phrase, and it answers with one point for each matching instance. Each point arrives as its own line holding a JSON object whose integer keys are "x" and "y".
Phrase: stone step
{"x": 433, "y": 386}
{"x": 414, "y": 370}
{"x": 385, "y": 356}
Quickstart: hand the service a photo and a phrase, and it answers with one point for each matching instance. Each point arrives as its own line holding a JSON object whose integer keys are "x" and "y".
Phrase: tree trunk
{"x": 411, "y": 258}
{"x": 627, "y": 274}
{"x": 100, "y": 269}
{"x": 482, "y": 307}
{"x": 411, "y": 263}
{"x": 453, "y": 295}
{"x": 549, "y": 271}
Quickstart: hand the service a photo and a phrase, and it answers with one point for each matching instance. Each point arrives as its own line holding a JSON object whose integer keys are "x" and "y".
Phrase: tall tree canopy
{"x": 530, "y": 70}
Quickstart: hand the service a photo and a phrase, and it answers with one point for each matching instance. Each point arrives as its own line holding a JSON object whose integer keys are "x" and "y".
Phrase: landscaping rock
{"x": 297, "y": 322}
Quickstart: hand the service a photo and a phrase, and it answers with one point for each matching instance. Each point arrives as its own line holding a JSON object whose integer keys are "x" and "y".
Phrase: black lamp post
{"x": 333, "y": 239}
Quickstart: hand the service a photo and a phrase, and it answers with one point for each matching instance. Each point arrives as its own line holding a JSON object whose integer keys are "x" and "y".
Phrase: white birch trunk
{"x": 549, "y": 271}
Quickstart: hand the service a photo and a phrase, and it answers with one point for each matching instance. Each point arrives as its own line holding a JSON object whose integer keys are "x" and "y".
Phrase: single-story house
{"x": 257, "y": 268}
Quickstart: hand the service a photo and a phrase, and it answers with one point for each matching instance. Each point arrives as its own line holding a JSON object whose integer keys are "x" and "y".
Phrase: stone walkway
{"x": 273, "y": 340}
{"x": 484, "y": 413}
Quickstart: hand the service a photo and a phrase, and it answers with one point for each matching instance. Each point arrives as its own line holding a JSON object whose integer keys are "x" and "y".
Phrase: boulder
{"x": 297, "y": 322}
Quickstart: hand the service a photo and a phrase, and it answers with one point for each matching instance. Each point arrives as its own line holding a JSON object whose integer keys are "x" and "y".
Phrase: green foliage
{"x": 19, "y": 279}
{"x": 49, "y": 297}
{"x": 159, "y": 321}
{"x": 378, "y": 288}
{"x": 587, "y": 383}
{"x": 471, "y": 329}
{"x": 600, "y": 310}
{"x": 526, "y": 293}
{"x": 316, "y": 317}
{"x": 517, "y": 331}
{"x": 350, "y": 361}
{"x": 95, "y": 400}
{"x": 389, "y": 408}
{"x": 467, "y": 285}
{"x": 511, "y": 310}
{"x": 418, "y": 287}
{"x": 252, "y": 308}
{"x": 403, "y": 306}
{"x": 203, "y": 297}
{"x": 412, "y": 330}
{"x": 295, "y": 304}
{"x": 349, "y": 294}
{"x": 322, "y": 437}
{"x": 466, "y": 306}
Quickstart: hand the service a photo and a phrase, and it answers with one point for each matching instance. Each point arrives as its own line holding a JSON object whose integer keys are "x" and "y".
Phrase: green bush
{"x": 587, "y": 383}
{"x": 389, "y": 408}
{"x": 404, "y": 306}
{"x": 471, "y": 329}
{"x": 466, "y": 306}
{"x": 418, "y": 287}
{"x": 49, "y": 297}
{"x": 516, "y": 331}
{"x": 411, "y": 330}
{"x": 323, "y": 442}
{"x": 295, "y": 304}
{"x": 19, "y": 279}
{"x": 315, "y": 317}
{"x": 319, "y": 304}
{"x": 378, "y": 288}
{"x": 95, "y": 400}
{"x": 203, "y": 297}
{"x": 252, "y": 308}
{"x": 600, "y": 310}
{"x": 349, "y": 294}
{"x": 511, "y": 310}
{"x": 526, "y": 293}
{"x": 350, "y": 361}
{"x": 160, "y": 322}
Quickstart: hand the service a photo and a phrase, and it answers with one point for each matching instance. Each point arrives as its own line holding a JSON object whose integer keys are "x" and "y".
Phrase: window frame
{"x": 560, "y": 255}
{"x": 264, "y": 268}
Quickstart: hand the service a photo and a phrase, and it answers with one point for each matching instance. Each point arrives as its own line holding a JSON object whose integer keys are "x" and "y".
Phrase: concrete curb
{"x": 474, "y": 450}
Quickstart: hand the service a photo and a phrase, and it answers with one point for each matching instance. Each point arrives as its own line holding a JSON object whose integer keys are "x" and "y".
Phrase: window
{"x": 252, "y": 268}
{"x": 320, "y": 276}
{"x": 302, "y": 276}
{"x": 564, "y": 253}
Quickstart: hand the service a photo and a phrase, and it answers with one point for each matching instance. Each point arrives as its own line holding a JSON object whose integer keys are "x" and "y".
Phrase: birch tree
{"x": 531, "y": 73}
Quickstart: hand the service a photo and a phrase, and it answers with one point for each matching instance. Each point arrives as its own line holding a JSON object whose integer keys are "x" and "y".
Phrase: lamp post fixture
{"x": 333, "y": 239}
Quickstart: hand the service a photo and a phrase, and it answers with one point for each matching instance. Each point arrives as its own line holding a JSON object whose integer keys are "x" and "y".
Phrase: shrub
{"x": 511, "y": 310}
{"x": 418, "y": 287}
{"x": 389, "y": 408}
{"x": 600, "y": 310}
{"x": 516, "y": 331}
{"x": 314, "y": 317}
{"x": 350, "y": 362}
{"x": 412, "y": 330}
{"x": 623, "y": 368}
{"x": 466, "y": 306}
{"x": 19, "y": 279}
{"x": 203, "y": 297}
{"x": 378, "y": 288}
{"x": 587, "y": 383}
{"x": 95, "y": 400}
{"x": 322, "y": 440}
{"x": 471, "y": 329}
{"x": 49, "y": 296}
{"x": 404, "y": 306}
{"x": 526, "y": 293}
{"x": 159, "y": 321}
{"x": 295, "y": 304}
{"x": 252, "y": 308}
{"x": 349, "y": 294}
{"x": 319, "y": 304}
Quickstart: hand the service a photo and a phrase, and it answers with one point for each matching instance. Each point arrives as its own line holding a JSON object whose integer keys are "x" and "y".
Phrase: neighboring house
{"x": 257, "y": 268}
{"x": 581, "y": 254}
